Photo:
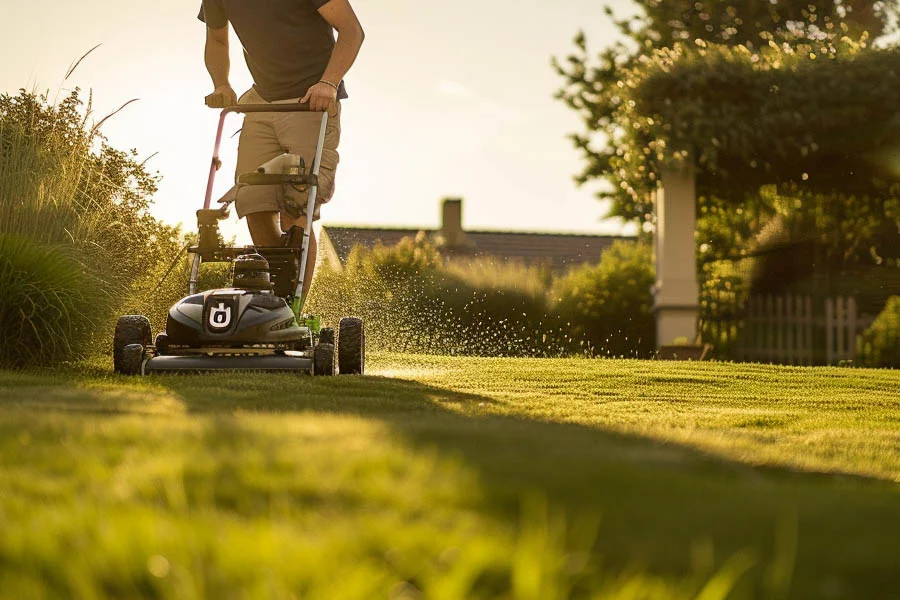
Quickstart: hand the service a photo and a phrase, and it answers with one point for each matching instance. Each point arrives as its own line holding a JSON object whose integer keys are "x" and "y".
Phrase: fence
{"x": 791, "y": 330}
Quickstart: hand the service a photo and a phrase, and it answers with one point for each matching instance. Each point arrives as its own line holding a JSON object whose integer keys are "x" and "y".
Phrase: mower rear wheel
{"x": 326, "y": 335}
{"x": 130, "y": 329}
{"x": 132, "y": 359}
{"x": 162, "y": 343}
{"x": 351, "y": 346}
{"x": 323, "y": 359}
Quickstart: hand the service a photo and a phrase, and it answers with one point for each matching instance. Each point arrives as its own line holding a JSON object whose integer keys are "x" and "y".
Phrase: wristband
{"x": 325, "y": 81}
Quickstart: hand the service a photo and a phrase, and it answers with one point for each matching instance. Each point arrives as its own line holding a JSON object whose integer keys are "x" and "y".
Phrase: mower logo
{"x": 220, "y": 316}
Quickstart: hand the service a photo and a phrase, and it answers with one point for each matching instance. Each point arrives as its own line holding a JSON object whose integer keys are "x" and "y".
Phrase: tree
{"x": 596, "y": 87}
{"x": 785, "y": 93}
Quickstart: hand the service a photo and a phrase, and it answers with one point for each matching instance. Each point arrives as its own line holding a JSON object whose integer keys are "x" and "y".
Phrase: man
{"x": 292, "y": 55}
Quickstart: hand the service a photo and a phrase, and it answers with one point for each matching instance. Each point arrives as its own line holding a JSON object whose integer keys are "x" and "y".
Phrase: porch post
{"x": 676, "y": 291}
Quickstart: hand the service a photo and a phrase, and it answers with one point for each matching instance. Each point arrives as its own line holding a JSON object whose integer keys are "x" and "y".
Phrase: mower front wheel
{"x": 323, "y": 359}
{"x": 162, "y": 343}
{"x": 351, "y": 346}
{"x": 132, "y": 359}
{"x": 130, "y": 330}
{"x": 326, "y": 335}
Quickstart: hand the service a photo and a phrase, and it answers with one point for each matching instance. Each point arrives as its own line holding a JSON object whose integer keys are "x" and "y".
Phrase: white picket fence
{"x": 789, "y": 330}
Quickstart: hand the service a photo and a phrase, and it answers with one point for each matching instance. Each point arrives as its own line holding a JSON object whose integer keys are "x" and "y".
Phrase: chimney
{"x": 451, "y": 223}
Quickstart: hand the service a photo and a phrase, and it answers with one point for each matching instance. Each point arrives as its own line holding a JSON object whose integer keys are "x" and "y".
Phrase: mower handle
{"x": 245, "y": 108}
{"x": 310, "y": 208}
{"x": 273, "y": 108}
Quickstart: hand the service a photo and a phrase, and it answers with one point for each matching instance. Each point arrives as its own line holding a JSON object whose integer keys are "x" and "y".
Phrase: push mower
{"x": 256, "y": 324}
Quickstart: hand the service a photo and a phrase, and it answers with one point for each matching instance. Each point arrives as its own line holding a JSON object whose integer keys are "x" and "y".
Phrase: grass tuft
{"x": 48, "y": 304}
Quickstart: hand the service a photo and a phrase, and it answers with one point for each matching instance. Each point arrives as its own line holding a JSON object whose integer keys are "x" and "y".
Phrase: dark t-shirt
{"x": 287, "y": 43}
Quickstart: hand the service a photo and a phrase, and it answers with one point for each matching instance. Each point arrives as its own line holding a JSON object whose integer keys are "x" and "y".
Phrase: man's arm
{"x": 218, "y": 64}
{"x": 341, "y": 17}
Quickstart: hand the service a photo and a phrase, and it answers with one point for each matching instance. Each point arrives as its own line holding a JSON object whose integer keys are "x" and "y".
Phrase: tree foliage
{"x": 750, "y": 87}
{"x": 786, "y": 108}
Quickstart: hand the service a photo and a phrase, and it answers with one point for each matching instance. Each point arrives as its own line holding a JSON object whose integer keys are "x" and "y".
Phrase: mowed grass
{"x": 438, "y": 477}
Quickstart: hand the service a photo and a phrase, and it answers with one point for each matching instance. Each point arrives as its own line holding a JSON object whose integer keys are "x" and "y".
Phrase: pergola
{"x": 720, "y": 124}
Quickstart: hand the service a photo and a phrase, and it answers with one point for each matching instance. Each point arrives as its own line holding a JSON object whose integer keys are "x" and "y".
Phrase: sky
{"x": 446, "y": 99}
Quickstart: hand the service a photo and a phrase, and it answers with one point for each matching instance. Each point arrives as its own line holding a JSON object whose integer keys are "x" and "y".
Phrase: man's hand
{"x": 222, "y": 97}
{"x": 321, "y": 96}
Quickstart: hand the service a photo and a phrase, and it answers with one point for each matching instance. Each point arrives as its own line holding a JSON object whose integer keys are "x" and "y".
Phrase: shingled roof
{"x": 558, "y": 251}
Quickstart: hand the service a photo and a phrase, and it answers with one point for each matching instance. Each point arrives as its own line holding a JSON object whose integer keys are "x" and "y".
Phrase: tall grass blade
{"x": 97, "y": 126}
{"x": 78, "y": 62}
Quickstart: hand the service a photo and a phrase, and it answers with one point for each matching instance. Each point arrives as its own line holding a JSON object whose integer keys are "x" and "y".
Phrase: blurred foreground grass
{"x": 439, "y": 477}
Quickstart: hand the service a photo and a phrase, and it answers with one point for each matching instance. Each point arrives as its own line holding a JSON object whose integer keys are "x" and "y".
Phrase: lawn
{"x": 441, "y": 477}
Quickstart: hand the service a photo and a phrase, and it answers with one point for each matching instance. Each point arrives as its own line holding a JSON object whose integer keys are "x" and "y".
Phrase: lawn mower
{"x": 256, "y": 324}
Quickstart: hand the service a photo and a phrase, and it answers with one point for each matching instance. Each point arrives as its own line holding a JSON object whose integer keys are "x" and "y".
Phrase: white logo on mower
{"x": 220, "y": 316}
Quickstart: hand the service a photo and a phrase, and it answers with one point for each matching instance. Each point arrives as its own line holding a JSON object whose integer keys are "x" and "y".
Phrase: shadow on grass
{"x": 657, "y": 500}
{"x": 659, "y": 503}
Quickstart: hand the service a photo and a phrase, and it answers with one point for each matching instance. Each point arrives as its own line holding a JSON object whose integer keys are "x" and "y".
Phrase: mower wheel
{"x": 130, "y": 329}
{"x": 323, "y": 359}
{"x": 162, "y": 343}
{"x": 326, "y": 335}
{"x": 132, "y": 358}
{"x": 351, "y": 346}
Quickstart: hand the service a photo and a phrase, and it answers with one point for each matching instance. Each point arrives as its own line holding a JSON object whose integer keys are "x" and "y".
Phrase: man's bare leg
{"x": 265, "y": 229}
{"x": 312, "y": 252}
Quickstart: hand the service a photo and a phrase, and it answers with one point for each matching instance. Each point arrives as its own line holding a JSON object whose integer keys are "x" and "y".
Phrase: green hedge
{"x": 609, "y": 305}
{"x": 412, "y": 301}
{"x": 879, "y": 345}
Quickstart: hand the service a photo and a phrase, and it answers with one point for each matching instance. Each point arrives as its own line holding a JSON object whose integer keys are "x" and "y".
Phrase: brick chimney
{"x": 452, "y": 232}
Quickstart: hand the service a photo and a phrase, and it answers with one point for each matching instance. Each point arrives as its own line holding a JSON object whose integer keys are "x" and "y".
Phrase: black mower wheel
{"x": 323, "y": 359}
{"x": 130, "y": 329}
{"x": 132, "y": 358}
{"x": 326, "y": 335}
{"x": 162, "y": 343}
{"x": 351, "y": 346}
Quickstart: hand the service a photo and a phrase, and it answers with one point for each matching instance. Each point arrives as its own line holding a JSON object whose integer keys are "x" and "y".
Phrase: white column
{"x": 676, "y": 292}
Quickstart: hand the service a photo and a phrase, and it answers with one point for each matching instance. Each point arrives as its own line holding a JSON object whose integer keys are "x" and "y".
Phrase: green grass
{"x": 453, "y": 478}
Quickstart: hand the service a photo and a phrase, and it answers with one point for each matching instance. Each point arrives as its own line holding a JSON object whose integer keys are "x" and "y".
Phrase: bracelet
{"x": 325, "y": 81}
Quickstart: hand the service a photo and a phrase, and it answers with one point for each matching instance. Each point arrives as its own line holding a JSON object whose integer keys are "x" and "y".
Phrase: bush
{"x": 609, "y": 306}
{"x": 411, "y": 301}
{"x": 880, "y": 344}
{"x": 49, "y": 306}
{"x": 66, "y": 191}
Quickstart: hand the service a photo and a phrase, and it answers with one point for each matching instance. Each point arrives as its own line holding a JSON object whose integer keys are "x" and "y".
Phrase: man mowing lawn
{"x": 292, "y": 55}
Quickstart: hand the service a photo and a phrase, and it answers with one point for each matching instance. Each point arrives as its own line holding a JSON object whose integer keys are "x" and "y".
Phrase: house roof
{"x": 559, "y": 251}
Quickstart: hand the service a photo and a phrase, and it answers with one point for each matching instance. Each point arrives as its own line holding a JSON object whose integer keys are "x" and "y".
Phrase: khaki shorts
{"x": 265, "y": 136}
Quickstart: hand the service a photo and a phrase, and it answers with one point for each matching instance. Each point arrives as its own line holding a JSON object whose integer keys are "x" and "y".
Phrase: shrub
{"x": 608, "y": 306}
{"x": 411, "y": 301}
{"x": 880, "y": 344}
{"x": 488, "y": 273}
{"x": 67, "y": 191}
{"x": 49, "y": 306}
{"x": 724, "y": 291}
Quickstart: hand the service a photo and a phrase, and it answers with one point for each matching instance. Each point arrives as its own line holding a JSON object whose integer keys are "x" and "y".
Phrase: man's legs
{"x": 257, "y": 145}
{"x": 265, "y": 228}
{"x": 265, "y": 136}
{"x": 299, "y": 134}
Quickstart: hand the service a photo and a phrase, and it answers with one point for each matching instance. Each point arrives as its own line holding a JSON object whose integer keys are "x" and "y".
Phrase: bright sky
{"x": 446, "y": 99}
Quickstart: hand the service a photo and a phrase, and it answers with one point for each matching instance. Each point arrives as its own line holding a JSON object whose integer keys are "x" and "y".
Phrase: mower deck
{"x": 287, "y": 361}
